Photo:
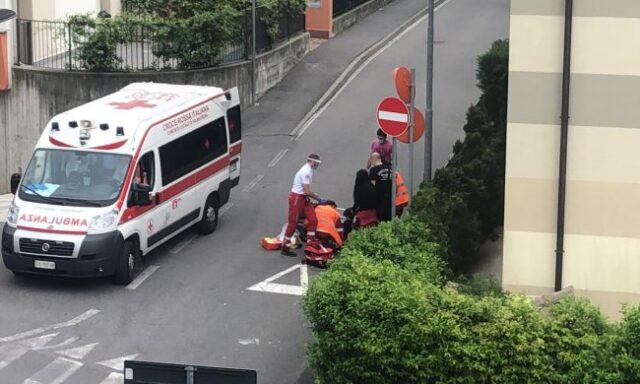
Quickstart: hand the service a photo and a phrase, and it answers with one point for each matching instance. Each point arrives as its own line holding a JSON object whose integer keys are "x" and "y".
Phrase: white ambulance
{"x": 113, "y": 179}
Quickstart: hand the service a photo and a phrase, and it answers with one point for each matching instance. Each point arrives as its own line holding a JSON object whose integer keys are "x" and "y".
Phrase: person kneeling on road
{"x": 299, "y": 204}
{"x": 329, "y": 225}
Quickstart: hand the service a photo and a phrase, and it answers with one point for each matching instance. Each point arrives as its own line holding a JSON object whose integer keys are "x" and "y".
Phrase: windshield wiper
{"x": 87, "y": 203}
{"x": 45, "y": 198}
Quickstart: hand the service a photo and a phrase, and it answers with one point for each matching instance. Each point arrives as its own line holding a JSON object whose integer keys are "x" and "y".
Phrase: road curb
{"x": 355, "y": 64}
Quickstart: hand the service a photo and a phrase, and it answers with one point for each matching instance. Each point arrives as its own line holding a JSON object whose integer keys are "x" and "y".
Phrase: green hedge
{"x": 402, "y": 242}
{"x": 464, "y": 203}
{"x": 182, "y": 34}
{"x": 375, "y": 321}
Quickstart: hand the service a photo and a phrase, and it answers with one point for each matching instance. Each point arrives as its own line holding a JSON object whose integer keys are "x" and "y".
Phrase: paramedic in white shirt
{"x": 299, "y": 203}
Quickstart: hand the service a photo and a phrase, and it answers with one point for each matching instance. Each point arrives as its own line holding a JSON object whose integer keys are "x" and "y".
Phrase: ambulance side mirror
{"x": 15, "y": 182}
{"x": 141, "y": 194}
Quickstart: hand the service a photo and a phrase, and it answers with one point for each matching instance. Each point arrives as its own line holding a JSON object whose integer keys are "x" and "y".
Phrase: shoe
{"x": 285, "y": 251}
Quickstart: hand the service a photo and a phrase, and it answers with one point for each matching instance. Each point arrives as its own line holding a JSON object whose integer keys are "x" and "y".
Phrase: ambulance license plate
{"x": 45, "y": 264}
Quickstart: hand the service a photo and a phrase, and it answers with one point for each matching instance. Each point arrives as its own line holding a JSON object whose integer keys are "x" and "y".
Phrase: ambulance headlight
{"x": 13, "y": 214}
{"x": 102, "y": 222}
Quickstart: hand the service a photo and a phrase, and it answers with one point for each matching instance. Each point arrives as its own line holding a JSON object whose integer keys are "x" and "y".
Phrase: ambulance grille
{"x": 53, "y": 248}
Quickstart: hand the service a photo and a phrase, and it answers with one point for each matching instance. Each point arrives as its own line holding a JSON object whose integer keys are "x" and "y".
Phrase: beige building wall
{"x": 602, "y": 227}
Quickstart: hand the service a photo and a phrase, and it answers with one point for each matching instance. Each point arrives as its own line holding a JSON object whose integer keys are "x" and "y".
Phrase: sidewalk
{"x": 321, "y": 71}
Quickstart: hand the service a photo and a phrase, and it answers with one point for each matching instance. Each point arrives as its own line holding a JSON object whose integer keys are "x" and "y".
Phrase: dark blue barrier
{"x": 144, "y": 372}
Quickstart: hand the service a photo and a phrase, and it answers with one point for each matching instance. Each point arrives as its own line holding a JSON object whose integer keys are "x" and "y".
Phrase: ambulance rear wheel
{"x": 209, "y": 221}
{"x": 125, "y": 269}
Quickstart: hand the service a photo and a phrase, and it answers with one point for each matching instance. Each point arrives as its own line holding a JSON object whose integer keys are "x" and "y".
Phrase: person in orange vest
{"x": 329, "y": 223}
{"x": 402, "y": 195}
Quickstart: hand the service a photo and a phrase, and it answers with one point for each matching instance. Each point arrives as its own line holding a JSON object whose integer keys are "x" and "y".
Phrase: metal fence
{"x": 344, "y": 6}
{"x": 56, "y": 45}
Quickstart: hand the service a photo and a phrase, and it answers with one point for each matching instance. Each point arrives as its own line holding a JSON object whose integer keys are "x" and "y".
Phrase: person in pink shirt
{"x": 382, "y": 146}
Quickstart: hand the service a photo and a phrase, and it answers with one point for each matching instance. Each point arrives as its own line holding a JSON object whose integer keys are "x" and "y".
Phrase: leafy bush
{"x": 580, "y": 343}
{"x": 464, "y": 203}
{"x": 182, "y": 33}
{"x": 628, "y": 343}
{"x": 478, "y": 285}
{"x": 403, "y": 242}
{"x": 97, "y": 40}
{"x": 376, "y": 322}
{"x": 196, "y": 41}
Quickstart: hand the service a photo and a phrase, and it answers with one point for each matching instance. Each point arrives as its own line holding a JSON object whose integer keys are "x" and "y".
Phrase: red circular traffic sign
{"x": 393, "y": 116}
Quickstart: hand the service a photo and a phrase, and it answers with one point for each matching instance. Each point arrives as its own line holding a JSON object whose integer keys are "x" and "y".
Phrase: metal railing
{"x": 57, "y": 45}
{"x": 343, "y": 6}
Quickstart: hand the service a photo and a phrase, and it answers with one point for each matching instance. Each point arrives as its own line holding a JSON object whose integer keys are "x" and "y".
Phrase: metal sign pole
{"x": 253, "y": 53}
{"x": 412, "y": 123}
{"x": 428, "y": 132}
{"x": 394, "y": 166}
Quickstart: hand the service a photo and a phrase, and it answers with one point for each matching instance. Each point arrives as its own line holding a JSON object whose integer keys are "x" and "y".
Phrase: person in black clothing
{"x": 380, "y": 175}
{"x": 364, "y": 202}
{"x": 364, "y": 194}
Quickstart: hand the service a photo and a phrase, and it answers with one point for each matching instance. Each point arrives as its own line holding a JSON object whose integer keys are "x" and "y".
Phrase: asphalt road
{"x": 196, "y": 307}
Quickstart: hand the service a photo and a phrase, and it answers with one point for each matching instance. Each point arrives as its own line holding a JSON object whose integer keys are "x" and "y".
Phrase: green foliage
{"x": 376, "y": 322}
{"x": 270, "y": 11}
{"x": 98, "y": 40}
{"x": 580, "y": 343}
{"x": 479, "y": 286}
{"x": 196, "y": 41}
{"x": 628, "y": 342}
{"x": 182, "y": 33}
{"x": 464, "y": 203}
{"x": 403, "y": 242}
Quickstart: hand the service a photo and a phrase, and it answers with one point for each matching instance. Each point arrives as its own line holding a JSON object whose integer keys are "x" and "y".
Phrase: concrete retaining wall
{"x": 345, "y": 21}
{"x": 38, "y": 94}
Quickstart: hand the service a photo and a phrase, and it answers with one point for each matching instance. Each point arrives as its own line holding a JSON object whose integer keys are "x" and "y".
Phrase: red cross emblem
{"x": 138, "y": 103}
{"x": 150, "y": 226}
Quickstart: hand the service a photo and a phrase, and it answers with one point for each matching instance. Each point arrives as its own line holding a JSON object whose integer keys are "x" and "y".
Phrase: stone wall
{"x": 347, "y": 20}
{"x": 38, "y": 94}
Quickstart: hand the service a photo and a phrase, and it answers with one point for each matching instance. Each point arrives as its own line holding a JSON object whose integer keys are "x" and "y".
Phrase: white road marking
{"x": 253, "y": 183}
{"x": 142, "y": 277}
{"x": 278, "y": 157}
{"x": 225, "y": 208}
{"x": 298, "y": 132}
{"x": 393, "y": 116}
{"x": 56, "y": 372}
{"x": 78, "y": 353}
{"x": 284, "y": 289}
{"x": 117, "y": 364}
{"x": 183, "y": 244}
{"x": 113, "y": 378}
{"x": 69, "y": 341}
{"x": 75, "y": 321}
{"x": 304, "y": 277}
{"x": 13, "y": 351}
{"x": 249, "y": 341}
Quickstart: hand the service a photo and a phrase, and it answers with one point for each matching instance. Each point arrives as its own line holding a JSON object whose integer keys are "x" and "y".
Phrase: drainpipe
{"x": 564, "y": 131}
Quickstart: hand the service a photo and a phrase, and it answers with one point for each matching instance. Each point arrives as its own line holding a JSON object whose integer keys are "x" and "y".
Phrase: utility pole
{"x": 253, "y": 53}
{"x": 428, "y": 132}
{"x": 412, "y": 127}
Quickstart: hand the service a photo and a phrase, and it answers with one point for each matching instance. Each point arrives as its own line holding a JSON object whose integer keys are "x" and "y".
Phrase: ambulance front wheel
{"x": 125, "y": 268}
{"x": 209, "y": 221}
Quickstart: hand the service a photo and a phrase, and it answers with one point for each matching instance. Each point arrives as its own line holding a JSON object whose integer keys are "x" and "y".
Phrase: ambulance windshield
{"x": 75, "y": 178}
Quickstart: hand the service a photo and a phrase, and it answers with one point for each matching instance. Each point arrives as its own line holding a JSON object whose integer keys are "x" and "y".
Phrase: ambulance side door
{"x": 152, "y": 218}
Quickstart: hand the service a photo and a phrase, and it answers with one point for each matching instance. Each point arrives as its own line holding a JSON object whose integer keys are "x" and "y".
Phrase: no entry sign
{"x": 393, "y": 116}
